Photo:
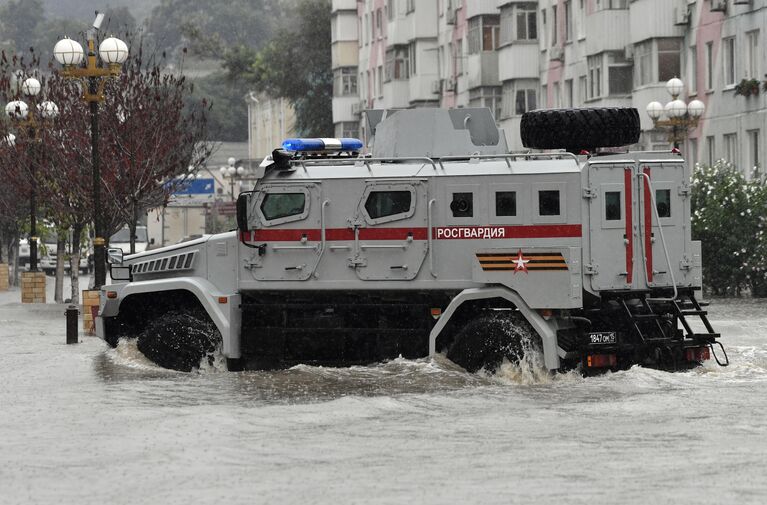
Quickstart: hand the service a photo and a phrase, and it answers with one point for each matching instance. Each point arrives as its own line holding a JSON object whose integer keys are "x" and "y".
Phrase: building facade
{"x": 513, "y": 56}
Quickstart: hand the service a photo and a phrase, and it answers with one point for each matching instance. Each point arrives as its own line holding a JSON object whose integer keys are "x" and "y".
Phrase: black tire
{"x": 576, "y": 129}
{"x": 490, "y": 337}
{"x": 179, "y": 341}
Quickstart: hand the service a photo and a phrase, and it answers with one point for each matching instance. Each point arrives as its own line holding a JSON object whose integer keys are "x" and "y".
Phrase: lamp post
{"x": 233, "y": 173}
{"x": 76, "y": 65}
{"x": 680, "y": 116}
{"x": 31, "y": 119}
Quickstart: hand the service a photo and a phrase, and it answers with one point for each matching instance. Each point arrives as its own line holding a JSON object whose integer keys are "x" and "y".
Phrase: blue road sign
{"x": 195, "y": 187}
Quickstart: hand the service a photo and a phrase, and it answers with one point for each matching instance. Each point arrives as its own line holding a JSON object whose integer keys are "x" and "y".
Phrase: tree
{"x": 150, "y": 140}
{"x": 728, "y": 216}
{"x": 296, "y": 65}
{"x": 19, "y": 22}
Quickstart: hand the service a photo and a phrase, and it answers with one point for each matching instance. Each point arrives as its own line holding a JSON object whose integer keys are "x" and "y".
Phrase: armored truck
{"x": 439, "y": 240}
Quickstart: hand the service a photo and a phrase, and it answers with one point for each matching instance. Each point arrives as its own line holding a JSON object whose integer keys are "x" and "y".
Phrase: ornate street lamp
{"x": 233, "y": 173}
{"x": 77, "y": 65}
{"x": 680, "y": 117}
{"x": 31, "y": 120}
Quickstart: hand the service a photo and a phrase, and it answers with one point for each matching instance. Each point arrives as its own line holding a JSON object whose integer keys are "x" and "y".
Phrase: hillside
{"x": 84, "y": 9}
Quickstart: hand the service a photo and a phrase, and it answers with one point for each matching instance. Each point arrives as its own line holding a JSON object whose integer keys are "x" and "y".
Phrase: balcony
{"x": 608, "y": 30}
{"x": 656, "y": 18}
{"x": 483, "y": 69}
{"x": 519, "y": 60}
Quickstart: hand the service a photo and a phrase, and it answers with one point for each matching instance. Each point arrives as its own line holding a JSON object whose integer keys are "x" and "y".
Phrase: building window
{"x": 518, "y": 22}
{"x": 345, "y": 81}
{"x": 397, "y": 63}
{"x": 753, "y": 151}
{"x": 693, "y": 79}
{"x": 458, "y": 56}
{"x": 710, "y": 150}
{"x": 411, "y": 57}
{"x": 693, "y": 154}
{"x": 569, "y": 93}
{"x": 409, "y": 6}
{"x": 557, "y": 95}
{"x": 379, "y": 24}
{"x": 669, "y": 59}
{"x": 582, "y": 87}
{"x": 728, "y": 61}
{"x": 487, "y": 96}
{"x": 390, "y": 9}
{"x": 359, "y": 32}
{"x": 643, "y": 62}
{"x": 568, "y": 21}
{"x": 518, "y": 97}
{"x": 484, "y": 33}
{"x": 548, "y": 202}
{"x": 752, "y": 54}
{"x": 379, "y": 81}
{"x": 545, "y": 95}
{"x": 581, "y": 19}
{"x": 506, "y": 203}
{"x": 347, "y": 129}
{"x": 612, "y": 4}
{"x": 619, "y": 72}
{"x": 595, "y": 76}
{"x": 554, "y": 25}
{"x": 462, "y": 205}
{"x": 709, "y": 65}
{"x": 731, "y": 148}
{"x": 367, "y": 29}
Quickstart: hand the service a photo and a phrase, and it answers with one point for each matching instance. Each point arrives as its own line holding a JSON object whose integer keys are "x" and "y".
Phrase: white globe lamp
{"x": 17, "y": 109}
{"x": 113, "y": 51}
{"x": 31, "y": 87}
{"x": 674, "y": 86}
{"x": 68, "y": 52}
{"x": 696, "y": 108}
{"x": 654, "y": 110}
{"x": 48, "y": 110}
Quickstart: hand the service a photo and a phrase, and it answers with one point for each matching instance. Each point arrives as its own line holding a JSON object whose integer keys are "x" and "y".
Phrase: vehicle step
{"x": 693, "y": 312}
{"x": 645, "y": 316}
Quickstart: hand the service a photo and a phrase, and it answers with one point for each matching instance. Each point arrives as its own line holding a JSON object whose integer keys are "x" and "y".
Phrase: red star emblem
{"x": 520, "y": 263}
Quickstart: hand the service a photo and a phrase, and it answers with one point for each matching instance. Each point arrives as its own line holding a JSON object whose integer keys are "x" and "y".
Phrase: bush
{"x": 728, "y": 216}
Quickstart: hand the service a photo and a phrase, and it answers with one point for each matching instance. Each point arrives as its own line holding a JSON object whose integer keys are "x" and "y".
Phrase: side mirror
{"x": 242, "y": 210}
{"x": 114, "y": 256}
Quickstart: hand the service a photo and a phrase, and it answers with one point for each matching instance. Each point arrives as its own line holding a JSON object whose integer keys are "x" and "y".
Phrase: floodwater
{"x": 85, "y": 424}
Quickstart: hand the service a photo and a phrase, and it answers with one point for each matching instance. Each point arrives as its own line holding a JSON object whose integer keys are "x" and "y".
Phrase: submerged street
{"x": 88, "y": 424}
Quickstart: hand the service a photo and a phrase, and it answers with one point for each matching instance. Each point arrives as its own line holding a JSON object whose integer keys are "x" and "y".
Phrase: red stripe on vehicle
{"x": 417, "y": 233}
{"x": 648, "y": 225}
{"x": 629, "y": 220}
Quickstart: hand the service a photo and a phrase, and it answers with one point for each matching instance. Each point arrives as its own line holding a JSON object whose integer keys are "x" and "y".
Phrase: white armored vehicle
{"x": 440, "y": 241}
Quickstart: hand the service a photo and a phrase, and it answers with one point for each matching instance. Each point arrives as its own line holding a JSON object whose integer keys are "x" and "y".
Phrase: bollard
{"x": 72, "y": 314}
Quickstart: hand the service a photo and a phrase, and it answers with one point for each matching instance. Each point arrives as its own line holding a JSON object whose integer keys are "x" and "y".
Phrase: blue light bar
{"x": 303, "y": 145}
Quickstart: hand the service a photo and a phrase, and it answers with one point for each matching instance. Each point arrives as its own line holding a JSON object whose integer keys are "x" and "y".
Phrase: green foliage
{"x": 296, "y": 65}
{"x": 729, "y": 217}
{"x": 207, "y": 26}
{"x": 228, "y": 115}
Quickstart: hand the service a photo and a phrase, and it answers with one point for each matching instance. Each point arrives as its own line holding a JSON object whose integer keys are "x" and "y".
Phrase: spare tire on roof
{"x": 575, "y": 129}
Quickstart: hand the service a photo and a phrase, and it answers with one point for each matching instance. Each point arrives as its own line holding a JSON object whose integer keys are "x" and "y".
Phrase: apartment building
{"x": 513, "y": 56}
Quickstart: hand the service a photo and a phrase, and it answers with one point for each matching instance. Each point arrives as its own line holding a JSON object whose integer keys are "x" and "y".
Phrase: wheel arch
{"x": 545, "y": 331}
{"x": 222, "y": 308}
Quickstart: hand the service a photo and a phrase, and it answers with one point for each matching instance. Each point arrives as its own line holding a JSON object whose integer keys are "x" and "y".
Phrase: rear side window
{"x": 548, "y": 203}
{"x": 663, "y": 202}
{"x": 279, "y": 205}
{"x": 506, "y": 203}
{"x": 387, "y": 203}
{"x": 462, "y": 205}
{"x": 613, "y": 205}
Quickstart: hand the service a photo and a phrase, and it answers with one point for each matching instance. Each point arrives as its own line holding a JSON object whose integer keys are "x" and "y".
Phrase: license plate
{"x": 602, "y": 337}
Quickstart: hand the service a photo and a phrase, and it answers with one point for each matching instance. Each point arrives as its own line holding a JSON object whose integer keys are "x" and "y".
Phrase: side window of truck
{"x": 278, "y": 205}
{"x": 383, "y": 203}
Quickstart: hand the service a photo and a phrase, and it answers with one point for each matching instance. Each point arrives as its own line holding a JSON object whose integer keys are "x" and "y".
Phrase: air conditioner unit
{"x": 450, "y": 17}
{"x": 556, "y": 53}
{"x": 681, "y": 16}
{"x": 718, "y": 5}
{"x": 436, "y": 86}
{"x": 628, "y": 52}
{"x": 357, "y": 108}
{"x": 450, "y": 84}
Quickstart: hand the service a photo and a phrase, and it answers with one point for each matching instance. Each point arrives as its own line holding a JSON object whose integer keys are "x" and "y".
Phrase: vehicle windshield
{"x": 123, "y": 236}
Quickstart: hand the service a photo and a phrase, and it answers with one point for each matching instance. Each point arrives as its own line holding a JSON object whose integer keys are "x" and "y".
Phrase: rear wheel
{"x": 486, "y": 340}
{"x": 576, "y": 129}
{"x": 179, "y": 340}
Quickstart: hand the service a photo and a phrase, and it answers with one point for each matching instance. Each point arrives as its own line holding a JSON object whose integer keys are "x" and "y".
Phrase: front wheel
{"x": 179, "y": 341}
{"x": 485, "y": 341}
